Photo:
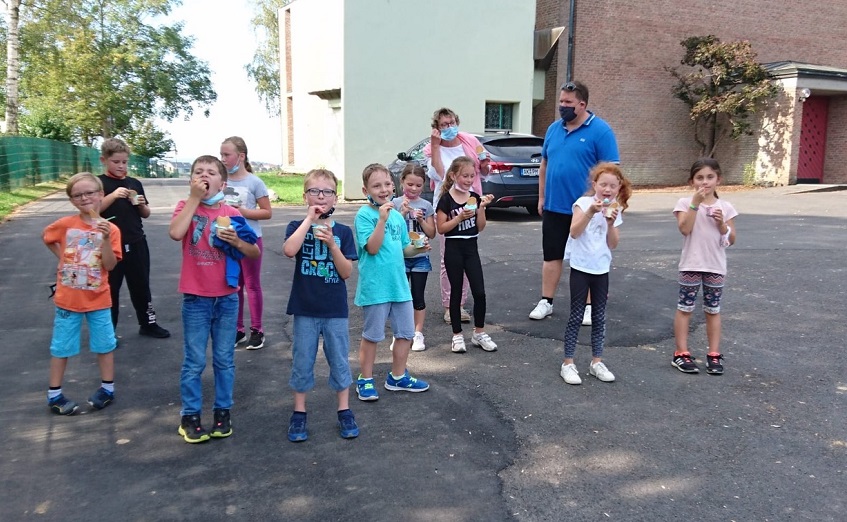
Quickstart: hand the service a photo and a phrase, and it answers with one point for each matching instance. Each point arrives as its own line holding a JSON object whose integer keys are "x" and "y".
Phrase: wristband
{"x": 692, "y": 207}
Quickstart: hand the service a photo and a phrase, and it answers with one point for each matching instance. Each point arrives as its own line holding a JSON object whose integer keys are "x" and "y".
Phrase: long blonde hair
{"x": 240, "y": 147}
{"x": 454, "y": 169}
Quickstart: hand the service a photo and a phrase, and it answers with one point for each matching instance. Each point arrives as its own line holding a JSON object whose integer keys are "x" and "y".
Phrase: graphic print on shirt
{"x": 204, "y": 256}
{"x": 82, "y": 264}
{"x": 233, "y": 197}
{"x": 316, "y": 261}
{"x": 465, "y": 224}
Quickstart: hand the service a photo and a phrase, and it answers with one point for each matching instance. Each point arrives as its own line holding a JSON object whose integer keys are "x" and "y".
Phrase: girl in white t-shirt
{"x": 708, "y": 228}
{"x": 593, "y": 235}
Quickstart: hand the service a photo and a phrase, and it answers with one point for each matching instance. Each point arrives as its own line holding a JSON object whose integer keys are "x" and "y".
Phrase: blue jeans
{"x": 307, "y": 333}
{"x": 202, "y": 316}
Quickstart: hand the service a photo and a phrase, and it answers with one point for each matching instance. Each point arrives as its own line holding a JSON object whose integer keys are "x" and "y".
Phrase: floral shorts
{"x": 689, "y": 285}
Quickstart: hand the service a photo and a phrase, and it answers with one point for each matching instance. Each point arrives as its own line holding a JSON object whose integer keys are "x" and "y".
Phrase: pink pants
{"x": 250, "y": 278}
{"x": 445, "y": 283}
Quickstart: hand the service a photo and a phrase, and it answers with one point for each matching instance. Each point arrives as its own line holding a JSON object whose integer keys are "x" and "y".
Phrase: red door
{"x": 812, "y": 140}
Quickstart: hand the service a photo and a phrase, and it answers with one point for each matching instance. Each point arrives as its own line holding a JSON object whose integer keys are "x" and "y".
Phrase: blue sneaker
{"x": 62, "y": 406}
{"x": 405, "y": 383}
{"x": 297, "y": 427}
{"x": 366, "y": 389}
{"x": 101, "y": 398}
{"x": 347, "y": 426}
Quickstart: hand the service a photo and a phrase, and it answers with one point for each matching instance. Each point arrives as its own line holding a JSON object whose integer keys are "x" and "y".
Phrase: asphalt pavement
{"x": 499, "y": 436}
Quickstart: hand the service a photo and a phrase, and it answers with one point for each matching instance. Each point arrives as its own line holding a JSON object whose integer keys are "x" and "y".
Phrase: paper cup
{"x": 418, "y": 240}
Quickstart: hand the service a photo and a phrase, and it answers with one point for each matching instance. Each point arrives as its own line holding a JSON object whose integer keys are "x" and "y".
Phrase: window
{"x": 498, "y": 116}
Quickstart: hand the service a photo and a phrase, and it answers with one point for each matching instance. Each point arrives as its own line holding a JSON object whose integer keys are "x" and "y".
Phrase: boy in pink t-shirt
{"x": 210, "y": 305}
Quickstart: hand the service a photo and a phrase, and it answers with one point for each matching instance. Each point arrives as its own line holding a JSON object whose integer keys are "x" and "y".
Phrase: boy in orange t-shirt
{"x": 87, "y": 247}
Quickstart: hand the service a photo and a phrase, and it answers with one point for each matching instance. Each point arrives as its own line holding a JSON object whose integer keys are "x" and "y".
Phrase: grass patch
{"x": 13, "y": 199}
{"x": 289, "y": 187}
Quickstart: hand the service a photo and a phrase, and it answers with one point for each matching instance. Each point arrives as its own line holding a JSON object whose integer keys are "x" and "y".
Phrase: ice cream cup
{"x": 318, "y": 226}
{"x": 133, "y": 197}
{"x": 418, "y": 240}
{"x": 610, "y": 210}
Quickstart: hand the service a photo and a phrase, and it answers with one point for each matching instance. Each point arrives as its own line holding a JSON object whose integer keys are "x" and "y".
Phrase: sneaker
{"x": 405, "y": 383}
{"x": 570, "y": 374}
{"x": 447, "y": 316}
{"x": 418, "y": 343}
{"x": 62, "y": 406}
{"x": 191, "y": 429}
{"x": 483, "y": 341}
{"x": 223, "y": 425}
{"x": 600, "y": 371}
{"x": 541, "y": 310}
{"x": 153, "y": 330}
{"x": 459, "y": 344}
{"x": 466, "y": 316}
{"x": 297, "y": 427}
{"x": 586, "y": 316}
{"x": 366, "y": 389}
{"x": 347, "y": 427}
{"x": 257, "y": 339}
{"x": 685, "y": 363}
{"x": 713, "y": 364}
{"x": 240, "y": 337}
{"x": 101, "y": 398}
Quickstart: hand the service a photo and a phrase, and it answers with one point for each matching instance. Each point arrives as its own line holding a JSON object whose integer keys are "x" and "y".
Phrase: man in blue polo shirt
{"x": 572, "y": 146}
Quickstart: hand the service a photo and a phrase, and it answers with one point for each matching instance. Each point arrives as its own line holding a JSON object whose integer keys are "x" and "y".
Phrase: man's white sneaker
{"x": 483, "y": 341}
{"x": 459, "y": 344}
{"x": 541, "y": 310}
{"x": 586, "y": 317}
{"x": 418, "y": 343}
{"x": 600, "y": 371}
{"x": 570, "y": 374}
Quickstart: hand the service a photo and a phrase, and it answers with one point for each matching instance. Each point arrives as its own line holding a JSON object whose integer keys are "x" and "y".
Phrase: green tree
{"x": 146, "y": 140}
{"x": 723, "y": 85}
{"x": 264, "y": 69}
{"x": 45, "y": 122}
{"x": 110, "y": 66}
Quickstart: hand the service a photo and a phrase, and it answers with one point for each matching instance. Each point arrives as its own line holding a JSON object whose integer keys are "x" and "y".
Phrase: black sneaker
{"x": 153, "y": 330}
{"x": 223, "y": 425}
{"x": 62, "y": 406}
{"x": 713, "y": 364}
{"x": 685, "y": 363}
{"x": 240, "y": 337}
{"x": 257, "y": 339}
{"x": 191, "y": 429}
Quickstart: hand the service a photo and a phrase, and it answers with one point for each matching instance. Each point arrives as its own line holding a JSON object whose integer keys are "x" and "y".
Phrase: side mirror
{"x": 402, "y": 156}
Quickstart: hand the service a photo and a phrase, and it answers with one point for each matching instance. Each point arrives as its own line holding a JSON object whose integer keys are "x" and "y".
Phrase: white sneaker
{"x": 466, "y": 316}
{"x": 600, "y": 371}
{"x": 483, "y": 341}
{"x": 459, "y": 344}
{"x": 447, "y": 316}
{"x": 541, "y": 310}
{"x": 570, "y": 374}
{"x": 586, "y": 317}
{"x": 418, "y": 343}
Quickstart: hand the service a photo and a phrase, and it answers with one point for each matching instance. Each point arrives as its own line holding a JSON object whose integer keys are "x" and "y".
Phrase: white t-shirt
{"x": 448, "y": 154}
{"x": 701, "y": 250}
{"x": 589, "y": 252}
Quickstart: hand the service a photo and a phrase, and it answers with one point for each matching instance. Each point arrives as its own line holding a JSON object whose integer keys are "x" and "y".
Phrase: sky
{"x": 225, "y": 40}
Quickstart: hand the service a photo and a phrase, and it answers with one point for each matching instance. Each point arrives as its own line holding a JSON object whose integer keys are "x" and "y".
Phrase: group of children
{"x": 221, "y": 243}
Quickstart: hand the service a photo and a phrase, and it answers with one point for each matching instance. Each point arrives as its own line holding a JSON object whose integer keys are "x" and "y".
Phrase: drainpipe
{"x": 571, "y": 27}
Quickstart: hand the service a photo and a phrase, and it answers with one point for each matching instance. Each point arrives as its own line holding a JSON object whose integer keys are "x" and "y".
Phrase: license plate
{"x": 533, "y": 172}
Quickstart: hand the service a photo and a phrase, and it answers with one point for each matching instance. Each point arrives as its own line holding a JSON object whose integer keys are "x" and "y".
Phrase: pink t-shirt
{"x": 203, "y": 270}
{"x": 701, "y": 250}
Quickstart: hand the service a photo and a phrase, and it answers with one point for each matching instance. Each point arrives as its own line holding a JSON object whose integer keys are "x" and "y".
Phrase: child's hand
{"x": 385, "y": 209}
{"x": 467, "y": 214}
{"x": 323, "y": 233}
{"x": 105, "y": 229}
{"x": 613, "y": 216}
{"x": 698, "y": 197}
{"x": 486, "y": 200}
{"x": 313, "y": 214}
{"x": 198, "y": 188}
{"x": 405, "y": 209}
{"x": 141, "y": 200}
{"x": 595, "y": 207}
{"x": 435, "y": 138}
{"x": 717, "y": 214}
{"x": 227, "y": 234}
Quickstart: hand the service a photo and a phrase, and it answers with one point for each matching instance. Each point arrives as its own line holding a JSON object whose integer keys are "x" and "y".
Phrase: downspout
{"x": 571, "y": 27}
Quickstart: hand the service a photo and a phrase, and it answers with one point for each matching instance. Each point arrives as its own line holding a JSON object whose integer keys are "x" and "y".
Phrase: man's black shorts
{"x": 555, "y": 229}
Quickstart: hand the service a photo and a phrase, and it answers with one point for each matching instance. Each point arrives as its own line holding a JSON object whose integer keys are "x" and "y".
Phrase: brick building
{"x": 619, "y": 49}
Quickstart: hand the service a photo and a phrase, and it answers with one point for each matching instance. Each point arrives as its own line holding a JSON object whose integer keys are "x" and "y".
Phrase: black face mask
{"x": 327, "y": 213}
{"x": 567, "y": 113}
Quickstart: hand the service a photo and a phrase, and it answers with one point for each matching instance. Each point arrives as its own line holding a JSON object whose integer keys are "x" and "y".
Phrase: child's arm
{"x": 107, "y": 255}
{"x": 294, "y": 243}
{"x": 262, "y": 210}
{"x": 428, "y": 226}
{"x": 378, "y": 235}
{"x": 180, "y": 224}
{"x": 581, "y": 218}
{"x": 56, "y": 248}
{"x": 730, "y": 225}
{"x": 343, "y": 266}
{"x": 445, "y": 225}
{"x": 480, "y": 216}
{"x": 612, "y": 232}
{"x": 685, "y": 220}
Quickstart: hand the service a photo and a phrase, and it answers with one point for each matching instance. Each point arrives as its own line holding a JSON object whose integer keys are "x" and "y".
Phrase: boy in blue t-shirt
{"x": 383, "y": 290}
{"x": 324, "y": 252}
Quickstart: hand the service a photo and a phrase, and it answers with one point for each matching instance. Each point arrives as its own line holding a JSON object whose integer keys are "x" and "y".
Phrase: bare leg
{"x": 681, "y": 322}
{"x": 551, "y": 272}
{"x": 343, "y": 399}
{"x": 299, "y": 401}
{"x": 57, "y": 370}
{"x": 713, "y": 332}
{"x": 367, "y": 355}
{"x": 398, "y": 357}
{"x": 107, "y": 365}
{"x": 420, "y": 316}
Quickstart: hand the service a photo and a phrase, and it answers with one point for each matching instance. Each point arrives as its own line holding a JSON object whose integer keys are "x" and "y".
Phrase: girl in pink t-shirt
{"x": 708, "y": 228}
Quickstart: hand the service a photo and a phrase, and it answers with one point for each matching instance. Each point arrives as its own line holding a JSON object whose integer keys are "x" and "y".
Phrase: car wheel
{"x": 532, "y": 209}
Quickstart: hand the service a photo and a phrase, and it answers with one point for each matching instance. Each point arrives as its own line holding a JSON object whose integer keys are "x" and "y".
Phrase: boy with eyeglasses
{"x": 87, "y": 248}
{"x": 324, "y": 252}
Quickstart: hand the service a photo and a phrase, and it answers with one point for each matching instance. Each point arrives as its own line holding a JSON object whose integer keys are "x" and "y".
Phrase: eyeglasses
{"x": 90, "y": 194}
{"x": 320, "y": 192}
{"x": 446, "y": 124}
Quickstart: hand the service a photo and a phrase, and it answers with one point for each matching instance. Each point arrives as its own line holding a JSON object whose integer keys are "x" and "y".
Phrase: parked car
{"x": 513, "y": 179}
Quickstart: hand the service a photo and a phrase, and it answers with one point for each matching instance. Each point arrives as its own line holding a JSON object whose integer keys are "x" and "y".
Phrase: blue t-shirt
{"x": 382, "y": 277}
{"x": 570, "y": 156}
{"x": 318, "y": 290}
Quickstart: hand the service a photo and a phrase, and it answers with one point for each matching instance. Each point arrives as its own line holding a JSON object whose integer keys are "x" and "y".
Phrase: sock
{"x": 548, "y": 299}
{"x": 109, "y": 386}
{"x": 397, "y": 378}
{"x": 52, "y": 392}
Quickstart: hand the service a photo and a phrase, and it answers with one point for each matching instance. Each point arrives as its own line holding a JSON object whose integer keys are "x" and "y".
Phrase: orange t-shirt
{"x": 82, "y": 285}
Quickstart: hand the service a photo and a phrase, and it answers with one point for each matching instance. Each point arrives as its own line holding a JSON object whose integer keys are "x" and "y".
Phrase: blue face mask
{"x": 371, "y": 200}
{"x": 450, "y": 133}
{"x": 567, "y": 113}
{"x": 214, "y": 199}
{"x": 234, "y": 169}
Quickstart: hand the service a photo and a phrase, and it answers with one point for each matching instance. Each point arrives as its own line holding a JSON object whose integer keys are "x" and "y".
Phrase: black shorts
{"x": 555, "y": 229}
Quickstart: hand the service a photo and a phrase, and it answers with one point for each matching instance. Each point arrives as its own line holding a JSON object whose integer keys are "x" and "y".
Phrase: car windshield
{"x": 514, "y": 146}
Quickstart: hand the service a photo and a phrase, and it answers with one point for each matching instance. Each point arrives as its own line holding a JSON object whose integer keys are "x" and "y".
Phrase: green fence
{"x": 28, "y": 161}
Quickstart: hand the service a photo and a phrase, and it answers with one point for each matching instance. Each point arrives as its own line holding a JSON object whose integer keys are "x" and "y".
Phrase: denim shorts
{"x": 66, "y": 332}
{"x": 336, "y": 336}
{"x": 418, "y": 264}
{"x": 402, "y": 316}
